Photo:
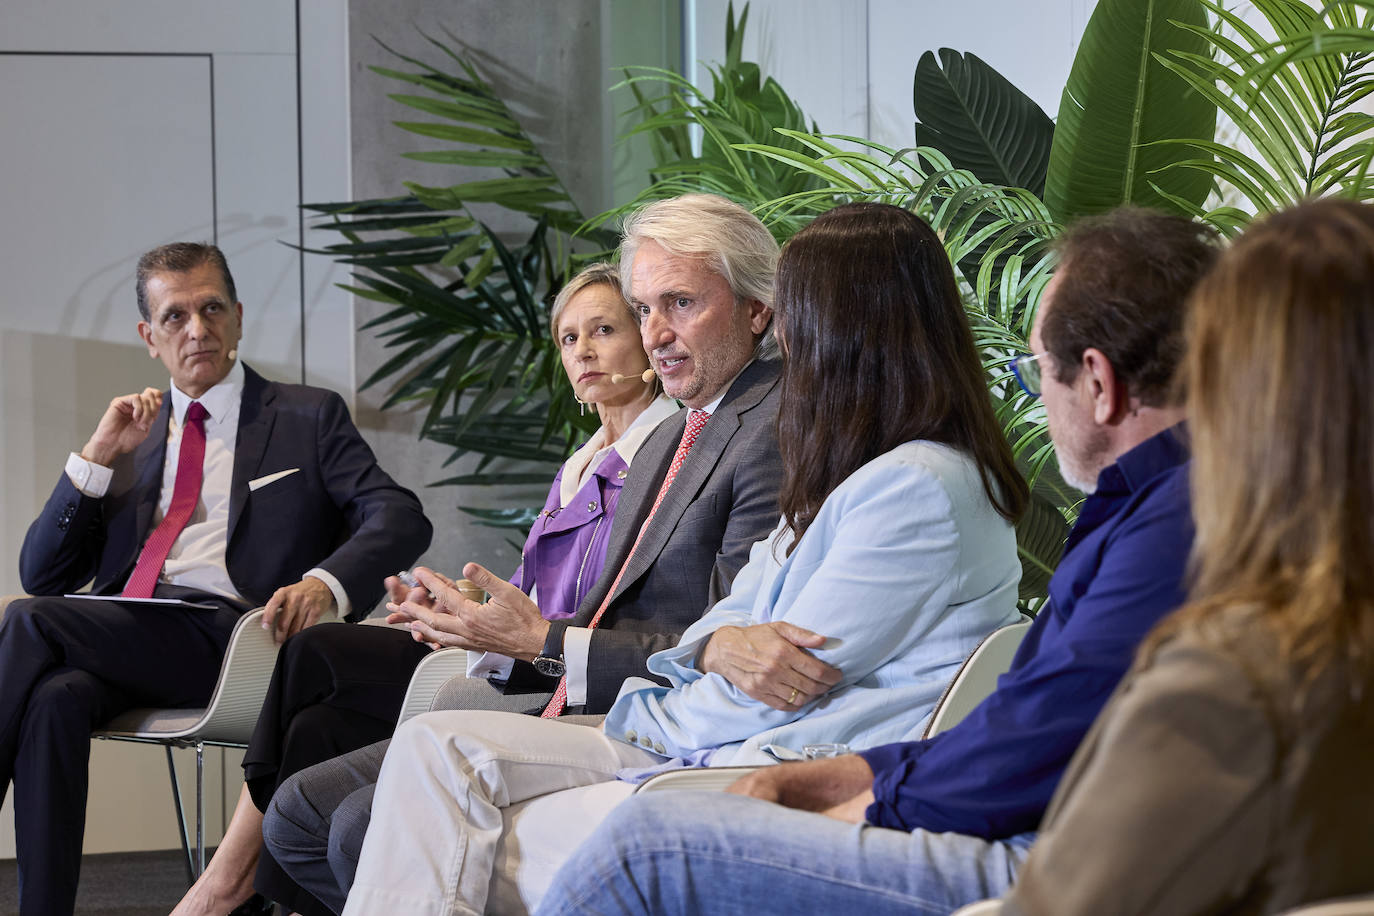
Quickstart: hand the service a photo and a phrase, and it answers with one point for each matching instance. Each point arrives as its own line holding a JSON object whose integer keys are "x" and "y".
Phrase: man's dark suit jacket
{"x": 340, "y": 511}
{"x": 724, "y": 498}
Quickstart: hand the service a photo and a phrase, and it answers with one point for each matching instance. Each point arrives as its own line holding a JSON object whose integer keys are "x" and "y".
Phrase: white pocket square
{"x": 270, "y": 478}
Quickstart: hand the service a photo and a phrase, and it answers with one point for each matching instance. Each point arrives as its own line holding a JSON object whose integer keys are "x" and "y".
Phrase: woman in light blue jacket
{"x": 895, "y": 543}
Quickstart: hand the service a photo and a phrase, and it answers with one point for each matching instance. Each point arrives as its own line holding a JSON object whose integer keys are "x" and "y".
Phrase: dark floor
{"x": 115, "y": 884}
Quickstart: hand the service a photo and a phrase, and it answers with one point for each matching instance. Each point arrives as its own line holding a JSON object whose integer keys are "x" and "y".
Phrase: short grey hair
{"x": 730, "y": 238}
{"x": 180, "y": 258}
{"x": 603, "y": 272}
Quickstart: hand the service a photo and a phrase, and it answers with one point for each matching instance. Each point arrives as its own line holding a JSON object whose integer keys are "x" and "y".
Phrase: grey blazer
{"x": 725, "y": 498}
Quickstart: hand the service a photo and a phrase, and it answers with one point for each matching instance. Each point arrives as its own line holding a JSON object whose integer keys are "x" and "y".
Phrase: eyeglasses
{"x": 1027, "y": 372}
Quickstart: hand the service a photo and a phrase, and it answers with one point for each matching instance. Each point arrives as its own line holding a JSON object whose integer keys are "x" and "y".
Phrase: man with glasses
{"x": 960, "y": 810}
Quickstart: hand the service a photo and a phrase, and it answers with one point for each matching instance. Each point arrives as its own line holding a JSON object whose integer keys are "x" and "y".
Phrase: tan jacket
{"x": 1209, "y": 785}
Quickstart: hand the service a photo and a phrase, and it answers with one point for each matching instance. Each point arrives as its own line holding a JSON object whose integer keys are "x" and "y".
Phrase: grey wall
{"x": 551, "y": 63}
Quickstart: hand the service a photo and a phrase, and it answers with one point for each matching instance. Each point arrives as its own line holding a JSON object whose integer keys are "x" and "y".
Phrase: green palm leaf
{"x": 977, "y": 118}
{"x": 1118, "y": 100}
{"x": 1290, "y": 97}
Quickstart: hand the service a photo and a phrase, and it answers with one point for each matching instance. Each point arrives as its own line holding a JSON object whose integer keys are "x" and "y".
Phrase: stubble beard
{"x": 1081, "y": 458}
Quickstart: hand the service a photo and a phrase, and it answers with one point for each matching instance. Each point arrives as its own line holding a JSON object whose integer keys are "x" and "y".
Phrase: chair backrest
{"x": 233, "y": 707}
{"x": 434, "y": 670}
{"x": 977, "y": 677}
{"x": 243, "y": 677}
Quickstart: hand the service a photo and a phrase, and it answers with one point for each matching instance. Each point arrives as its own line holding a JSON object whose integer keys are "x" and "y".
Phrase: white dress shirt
{"x": 197, "y": 558}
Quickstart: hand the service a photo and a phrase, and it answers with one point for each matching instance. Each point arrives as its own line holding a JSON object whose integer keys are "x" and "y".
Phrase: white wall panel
{"x": 89, "y": 175}
{"x": 204, "y": 26}
{"x": 816, "y": 49}
{"x": 849, "y": 63}
{"x": 124, "y": 126}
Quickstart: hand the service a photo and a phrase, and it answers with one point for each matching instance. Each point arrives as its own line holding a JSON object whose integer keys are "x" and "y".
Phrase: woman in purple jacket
{"x": 339, "y": 688}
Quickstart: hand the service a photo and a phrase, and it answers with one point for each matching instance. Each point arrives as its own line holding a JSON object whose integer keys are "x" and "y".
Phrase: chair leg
{"x": 181, "y": 818}
{"x": 200, "y": 808}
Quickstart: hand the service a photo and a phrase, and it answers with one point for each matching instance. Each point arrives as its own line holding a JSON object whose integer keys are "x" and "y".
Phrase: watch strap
{"x": 553, "y": 642}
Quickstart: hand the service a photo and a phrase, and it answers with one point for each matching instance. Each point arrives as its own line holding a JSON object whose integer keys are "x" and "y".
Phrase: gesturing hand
{"x": 768, "y": 662}
{"x": 508, "y": 623}
{"x": 295, "y": 607}
{"x": 123, "y": 426}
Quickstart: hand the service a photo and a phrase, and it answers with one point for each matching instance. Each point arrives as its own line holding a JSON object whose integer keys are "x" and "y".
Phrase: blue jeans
{"x": 698, "y": 852}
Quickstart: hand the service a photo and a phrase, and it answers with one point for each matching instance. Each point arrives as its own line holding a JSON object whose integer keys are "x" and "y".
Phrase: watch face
{"x": 550, "y": 667}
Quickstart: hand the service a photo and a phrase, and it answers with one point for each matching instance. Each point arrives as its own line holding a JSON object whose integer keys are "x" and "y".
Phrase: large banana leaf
{"x": 1120, "y": 99}
{"x": 1293, "y": 99}
{"x": 977, "y": 118}
{"x": 982, "y": 123}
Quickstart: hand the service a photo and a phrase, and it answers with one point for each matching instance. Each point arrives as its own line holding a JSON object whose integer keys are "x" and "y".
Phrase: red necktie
{"x": 696, "y": 419}
{"x": 185, "y": 495}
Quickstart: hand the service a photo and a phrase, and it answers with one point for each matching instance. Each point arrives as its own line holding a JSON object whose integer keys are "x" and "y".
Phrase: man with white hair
{"x": 698, "y": 270}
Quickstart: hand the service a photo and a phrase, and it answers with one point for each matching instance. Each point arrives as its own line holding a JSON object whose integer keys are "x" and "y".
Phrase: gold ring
{"x": 793, "y": 698}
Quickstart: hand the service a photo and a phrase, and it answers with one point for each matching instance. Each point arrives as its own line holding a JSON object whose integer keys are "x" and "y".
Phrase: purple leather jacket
{"x": 566, "y": 548}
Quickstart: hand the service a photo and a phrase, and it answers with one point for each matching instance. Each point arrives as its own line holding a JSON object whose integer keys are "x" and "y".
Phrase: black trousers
{"x": 66, "y": 667}
{"x": 335, "y": 688}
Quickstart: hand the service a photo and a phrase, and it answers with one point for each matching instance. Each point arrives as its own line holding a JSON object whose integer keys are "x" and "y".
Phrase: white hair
{"x": 727, "y": 236}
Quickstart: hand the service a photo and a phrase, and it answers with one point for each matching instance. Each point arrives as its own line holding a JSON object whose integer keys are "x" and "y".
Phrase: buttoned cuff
{"x": 577, "y": 647}
{"x": 91, "y": 479}
{"x": 492, "y": 665}
{"x": 340, "y": 596}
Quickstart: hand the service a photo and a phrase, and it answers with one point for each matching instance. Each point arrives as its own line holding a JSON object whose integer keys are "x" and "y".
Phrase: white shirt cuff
{"x": 340, "y": 596}
{"x": 490, "y": 665}
{"x": 577, "y": 645}
{"x": 90, "y": 478}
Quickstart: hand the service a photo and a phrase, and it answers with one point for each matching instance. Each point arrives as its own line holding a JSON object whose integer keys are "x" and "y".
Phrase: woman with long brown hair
{"x": 895, "y": 542}
{"x": 1230, "y": 773}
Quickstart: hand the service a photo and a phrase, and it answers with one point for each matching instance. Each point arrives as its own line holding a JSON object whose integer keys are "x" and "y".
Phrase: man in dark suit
{"x": 225, "y": 493}
{"x": 699, "y": 271}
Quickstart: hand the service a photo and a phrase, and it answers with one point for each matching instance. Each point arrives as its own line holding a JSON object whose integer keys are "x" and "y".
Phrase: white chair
{"x": 434, "y": 670}
{"x": 972, "y": 683}
{"x": 227, "y": 721}
{"x": 977, "y": 677}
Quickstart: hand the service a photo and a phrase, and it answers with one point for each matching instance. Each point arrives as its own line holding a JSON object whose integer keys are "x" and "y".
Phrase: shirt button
{"x": 622, "y": 474}
{"x": 645, "y": 742}
{"x": 631, "y": 737}
{"x": 591, "y": 506}
{"x": 658, "y": 749}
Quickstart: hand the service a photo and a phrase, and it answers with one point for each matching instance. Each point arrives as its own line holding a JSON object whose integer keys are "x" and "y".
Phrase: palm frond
{"x": 1290, "y": 98}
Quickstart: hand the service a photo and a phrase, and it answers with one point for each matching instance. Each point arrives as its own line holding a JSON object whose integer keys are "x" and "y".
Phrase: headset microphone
{"x": 646, "y": 377}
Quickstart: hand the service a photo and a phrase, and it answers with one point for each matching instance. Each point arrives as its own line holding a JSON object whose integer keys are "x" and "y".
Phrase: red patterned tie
{"x": 185, "y": 495}
{"x": 696, "y": 419}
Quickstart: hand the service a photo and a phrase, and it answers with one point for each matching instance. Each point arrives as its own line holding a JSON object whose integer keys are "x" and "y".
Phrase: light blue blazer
{"x": 905, "y": 568}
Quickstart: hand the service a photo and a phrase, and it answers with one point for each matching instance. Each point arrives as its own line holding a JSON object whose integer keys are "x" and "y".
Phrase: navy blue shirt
{"x": 992, "y": 775}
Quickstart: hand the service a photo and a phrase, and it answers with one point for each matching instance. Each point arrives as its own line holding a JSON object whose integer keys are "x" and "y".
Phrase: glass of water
{"x": 821, "y": 751}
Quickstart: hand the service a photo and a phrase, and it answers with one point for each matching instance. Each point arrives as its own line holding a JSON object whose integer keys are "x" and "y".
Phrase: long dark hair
{"x": 878, "y": 352}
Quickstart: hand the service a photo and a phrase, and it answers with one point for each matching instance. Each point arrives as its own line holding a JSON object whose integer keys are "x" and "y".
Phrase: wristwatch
{"x": 549, "y": 662}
